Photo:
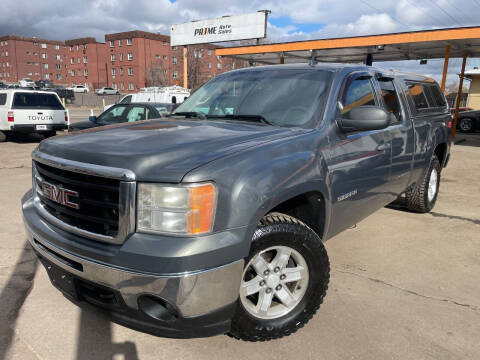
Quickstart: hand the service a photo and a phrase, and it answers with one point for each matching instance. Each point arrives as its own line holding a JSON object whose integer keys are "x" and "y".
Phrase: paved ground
{"x": 403, "y": 286}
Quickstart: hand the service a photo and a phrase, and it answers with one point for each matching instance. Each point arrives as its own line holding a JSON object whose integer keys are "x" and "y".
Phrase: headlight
{"x": 182, "y": 209}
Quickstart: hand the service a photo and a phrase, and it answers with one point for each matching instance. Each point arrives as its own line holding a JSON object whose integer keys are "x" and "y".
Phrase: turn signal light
{"x": 202, "y": 209}
{"x": 10, "y": 117}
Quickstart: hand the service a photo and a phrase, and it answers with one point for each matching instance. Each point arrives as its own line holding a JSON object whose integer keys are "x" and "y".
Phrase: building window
{"x": 219, "y": 66}
{"x": 164, "y": 43}
{"x": 122, "y": 87}
{"x": 130, "y": 85}
{"x": 218, "y": 57}
{"x": 6, "y": 53}
{"x": 29, "y": 74}
{"x": 59, "y": 77}
{"x": 57, "y": 57}
{"x": 129, "y": 41}
{"x": 77, "y": 47}
{"x": 28, "y": 52}
{"x": 85, "y": 60}
{"x": 72, "y": 61}
{"x": 209, "y": 65}
{"x": 130, "y": 71}
{"x": 175, "y": 74}
{"x": 79, "y": 60}
{"x": 174, "y": 48}
{"x": 130, "y": 56}
{"x": 58, "y": 66}
{"x": 119, "y": 42}
{"x": 35, "y": 43}
{"x": 57, "y": 47}
{"x": 45, "y": 66}
{"x": 165, "y": 57}
{"x": 121, "y": 71}
{"x": 84, "y": 46}
{"x": 112, "y": 43}
{"x": 114, "y": 72}
{"x": 47, "y": 76}
{"x": 209, "y": 52}
{"x": 72, "y": 72}
{"x": 112, "y": 57}
{"x": 157, "y": 56}
{"x": 85, "y": 72}
{"x": 44, "y": 46}
{"x": 121, "y": 56}
{"x": 71, "y": 47}
{"x": 44, "y": 56}
{"x": 79, "y": 73}
{"x": 174, "y": 60}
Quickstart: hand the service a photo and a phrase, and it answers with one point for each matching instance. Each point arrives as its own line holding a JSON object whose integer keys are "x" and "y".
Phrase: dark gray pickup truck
{"x": 213, "y": 220}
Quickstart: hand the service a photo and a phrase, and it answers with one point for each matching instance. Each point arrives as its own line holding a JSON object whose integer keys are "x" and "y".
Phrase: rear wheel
{"x": 465, "y": 125}
{"x": 284, "y": 280}
{"x": 422, "y": 197}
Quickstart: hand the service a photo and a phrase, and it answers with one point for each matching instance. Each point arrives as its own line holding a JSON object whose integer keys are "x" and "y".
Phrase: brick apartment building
{"x": 86, "y": 63}
{"x": 29, "y": 57}
{"x": 127, "y": 61}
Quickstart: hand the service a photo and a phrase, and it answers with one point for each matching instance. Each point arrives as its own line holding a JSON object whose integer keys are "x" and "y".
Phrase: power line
{"x": 445, "y": 12}
{"x": 376, "y": 9}
{"x": 463, "y": 12}
{"x": 428, "y": 13}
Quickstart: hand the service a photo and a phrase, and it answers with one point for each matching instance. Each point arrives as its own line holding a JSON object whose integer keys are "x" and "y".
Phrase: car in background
{"x": 107, "y": 91}
{"x": 468, "y": 120}
{"x": 3, "y": 85}
{"x": 26, "y": 82}
{"x": 79, "y": 89}
{"x": 63, "y": 93}
{"x": 123, "y": 113}
{"x": 44, "y": 84}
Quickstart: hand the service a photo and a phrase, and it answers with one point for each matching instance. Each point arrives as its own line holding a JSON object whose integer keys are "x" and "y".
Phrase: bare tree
{"x": 156, "y": 74}
{"x": 197, "y": 72}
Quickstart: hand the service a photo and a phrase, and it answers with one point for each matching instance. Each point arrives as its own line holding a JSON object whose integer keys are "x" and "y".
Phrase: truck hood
{"x": 161, "y": 150}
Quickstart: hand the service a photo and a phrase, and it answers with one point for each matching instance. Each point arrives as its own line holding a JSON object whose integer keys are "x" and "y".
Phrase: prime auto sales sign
{"x": 227, "y": 28}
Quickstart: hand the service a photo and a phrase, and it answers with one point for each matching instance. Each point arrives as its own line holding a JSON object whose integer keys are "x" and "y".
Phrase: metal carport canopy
{"x": 429, "y": 44}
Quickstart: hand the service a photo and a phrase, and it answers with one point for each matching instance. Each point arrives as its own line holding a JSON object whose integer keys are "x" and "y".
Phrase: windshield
{"x": 280, "y": 97}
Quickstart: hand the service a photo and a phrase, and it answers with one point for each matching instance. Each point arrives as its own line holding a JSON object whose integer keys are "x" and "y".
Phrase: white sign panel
{"x": 227, "y": 28}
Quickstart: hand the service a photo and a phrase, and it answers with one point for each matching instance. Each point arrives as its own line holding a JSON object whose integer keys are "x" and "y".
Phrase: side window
{"x": 359, "y": 92}
{"x": 438, "y": 96}
{"x": 390, "y": 98}
{"x": 136, "y": 113}
{"x": 112, "y": 115}
{"x": 3, "y": 99}
{"x": 126, "y": 100}
{"x": 174, "y": 99}
{"x": 417, "y": 92}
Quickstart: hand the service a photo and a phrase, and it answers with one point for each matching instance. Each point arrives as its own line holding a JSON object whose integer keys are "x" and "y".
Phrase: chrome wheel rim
{"x": 465, "y": 125}
{"x": 432, "y": 185}
{"x": 274, "y": 282}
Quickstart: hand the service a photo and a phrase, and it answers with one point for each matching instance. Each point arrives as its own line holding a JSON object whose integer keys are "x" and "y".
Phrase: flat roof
{"x": 414, "y": 45}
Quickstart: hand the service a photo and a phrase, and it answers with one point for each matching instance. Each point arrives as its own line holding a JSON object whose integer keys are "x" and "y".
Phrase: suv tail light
{"x": 10, "y": 117}
{"x": 66, "y": 116}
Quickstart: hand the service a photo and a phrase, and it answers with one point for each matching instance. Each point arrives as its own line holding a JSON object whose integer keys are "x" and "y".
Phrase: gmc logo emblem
{"x": 59, "y": 194}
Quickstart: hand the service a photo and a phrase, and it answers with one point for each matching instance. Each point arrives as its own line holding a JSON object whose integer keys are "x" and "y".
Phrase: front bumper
{"x": 192, "y": 304}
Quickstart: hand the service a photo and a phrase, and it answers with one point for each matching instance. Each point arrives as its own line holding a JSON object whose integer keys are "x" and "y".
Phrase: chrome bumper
{"x": 192, "y": 294}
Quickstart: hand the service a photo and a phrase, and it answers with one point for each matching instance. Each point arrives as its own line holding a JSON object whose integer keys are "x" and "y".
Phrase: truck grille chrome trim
{"x": 96, "y": 218}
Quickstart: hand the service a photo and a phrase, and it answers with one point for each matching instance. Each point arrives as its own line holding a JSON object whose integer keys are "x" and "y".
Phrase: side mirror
{"x": 364, "y": 118}
{"x": 92, "y": 118}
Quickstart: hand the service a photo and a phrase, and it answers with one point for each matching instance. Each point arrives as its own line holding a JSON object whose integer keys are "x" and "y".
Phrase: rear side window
{"x": 417, "y": 92}
{"x": 36, "y": 101}
{"x": 427, "y": 97}
{"x": 3, "y": 99}
{"x": 437, "y": 96}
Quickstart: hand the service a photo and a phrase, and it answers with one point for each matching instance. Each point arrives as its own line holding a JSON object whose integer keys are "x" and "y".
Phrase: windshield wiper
{"x": 246, "y": 117}
{"x": 190, "y": 114}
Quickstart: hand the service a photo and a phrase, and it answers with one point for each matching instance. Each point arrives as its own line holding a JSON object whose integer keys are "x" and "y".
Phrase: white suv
{"x": 30, "y": 111}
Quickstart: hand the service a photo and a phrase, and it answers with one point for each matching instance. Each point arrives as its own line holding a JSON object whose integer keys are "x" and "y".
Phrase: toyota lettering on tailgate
{"x": 59, "y": 195}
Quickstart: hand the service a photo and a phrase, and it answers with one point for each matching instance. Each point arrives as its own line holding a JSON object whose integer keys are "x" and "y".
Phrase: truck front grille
{"x": 98, "y": 199}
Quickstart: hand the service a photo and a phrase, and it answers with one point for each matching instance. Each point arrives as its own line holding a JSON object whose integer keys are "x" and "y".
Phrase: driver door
{"x": 359, "y": 162}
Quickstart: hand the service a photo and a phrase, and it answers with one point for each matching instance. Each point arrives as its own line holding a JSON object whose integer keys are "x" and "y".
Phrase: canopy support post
{"x": 445, "y": 67}
{"x": 459, "y": 95}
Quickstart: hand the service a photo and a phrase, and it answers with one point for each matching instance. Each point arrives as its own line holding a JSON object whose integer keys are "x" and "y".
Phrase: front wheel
{"x": 284, "y": 280}
{"x": 465, "y": 125}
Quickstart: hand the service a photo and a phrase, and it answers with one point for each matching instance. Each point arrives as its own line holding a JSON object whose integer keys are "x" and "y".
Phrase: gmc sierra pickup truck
{"x": 213, "y": 220}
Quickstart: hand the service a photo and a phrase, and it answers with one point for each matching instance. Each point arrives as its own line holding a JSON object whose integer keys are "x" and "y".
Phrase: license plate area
{"x": 61, "y": 279}
{"x": 41, "y": 127}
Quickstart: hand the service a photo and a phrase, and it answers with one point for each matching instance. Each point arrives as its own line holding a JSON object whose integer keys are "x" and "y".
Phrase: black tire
{"x": 278, "y": 229}
{"x": 417, "y": 195}
{"x": 465, "y": 125}
{"x": 3, "y": 136}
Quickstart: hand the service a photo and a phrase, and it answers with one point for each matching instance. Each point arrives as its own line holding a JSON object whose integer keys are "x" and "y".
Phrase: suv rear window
{"x": 36, "y": 101}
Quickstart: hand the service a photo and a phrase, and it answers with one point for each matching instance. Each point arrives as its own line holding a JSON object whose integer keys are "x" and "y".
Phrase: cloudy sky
{"x": 289, "y": 20}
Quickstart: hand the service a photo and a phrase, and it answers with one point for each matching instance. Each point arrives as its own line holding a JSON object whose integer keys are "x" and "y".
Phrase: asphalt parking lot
{"x": 403, "y": 286}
